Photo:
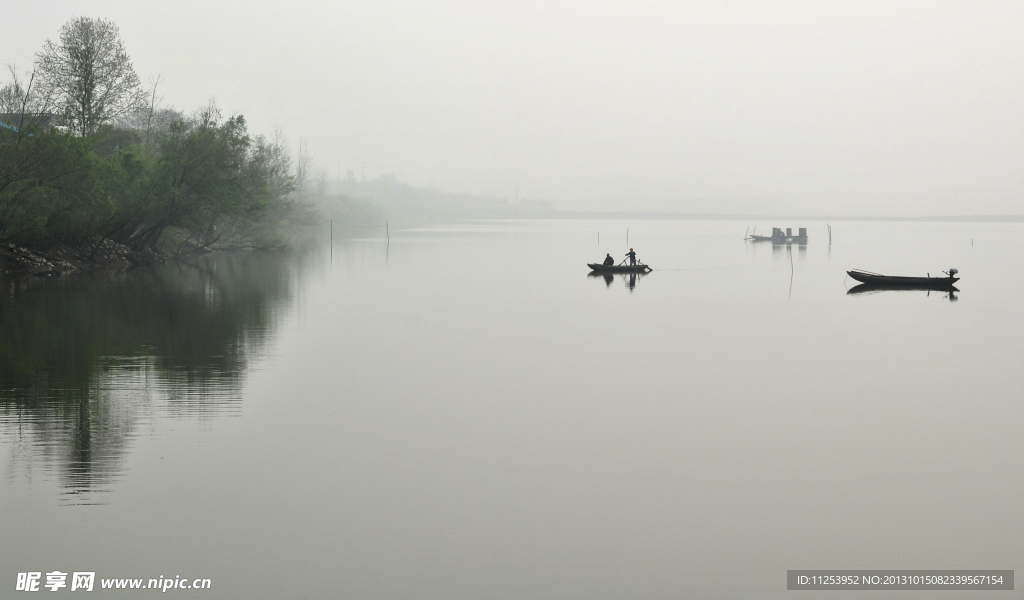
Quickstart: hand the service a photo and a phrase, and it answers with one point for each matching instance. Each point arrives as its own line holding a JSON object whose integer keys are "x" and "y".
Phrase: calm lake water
{"x": 465, "y": 413}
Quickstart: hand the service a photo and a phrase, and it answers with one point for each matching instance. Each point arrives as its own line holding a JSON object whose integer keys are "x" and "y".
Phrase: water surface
{"x": 464, "y": 413}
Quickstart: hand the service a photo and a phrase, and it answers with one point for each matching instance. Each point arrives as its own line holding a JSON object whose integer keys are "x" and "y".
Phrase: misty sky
{"x": 851, "y": 108}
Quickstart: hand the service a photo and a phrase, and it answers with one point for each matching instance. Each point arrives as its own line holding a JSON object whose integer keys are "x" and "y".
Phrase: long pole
{"x": 332, "y": 240}
{"x": 789, "y": 250}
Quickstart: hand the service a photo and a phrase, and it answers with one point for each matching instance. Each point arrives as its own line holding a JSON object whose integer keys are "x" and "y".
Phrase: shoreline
{"x": 20, "y": 261}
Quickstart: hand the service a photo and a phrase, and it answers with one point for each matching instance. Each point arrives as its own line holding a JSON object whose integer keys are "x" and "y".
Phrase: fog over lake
{"x": 845, "y": 108}
{"x": 464, "y": 412}
{"x": 302, "y": 304}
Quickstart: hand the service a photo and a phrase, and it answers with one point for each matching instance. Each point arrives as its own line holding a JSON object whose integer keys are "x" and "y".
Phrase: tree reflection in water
{"x": 85, "y": 359}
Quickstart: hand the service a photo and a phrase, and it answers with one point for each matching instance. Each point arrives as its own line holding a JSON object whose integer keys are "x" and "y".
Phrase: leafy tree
{"x": 88, "y": 75}
{"x": 210, "y": 182}
{"x": 44, "y": 180}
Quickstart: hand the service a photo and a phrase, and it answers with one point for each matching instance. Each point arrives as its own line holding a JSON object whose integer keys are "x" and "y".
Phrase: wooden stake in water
{"x": 790, "y": 251}
{"x": 332, "y": 240}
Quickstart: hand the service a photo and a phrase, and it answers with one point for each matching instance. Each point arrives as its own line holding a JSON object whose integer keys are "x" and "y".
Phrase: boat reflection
{"x": 629, "y": 279}
{"x": 873, "y": 288}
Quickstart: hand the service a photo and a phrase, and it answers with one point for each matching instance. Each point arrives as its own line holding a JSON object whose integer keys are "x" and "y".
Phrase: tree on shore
{"x": 126, "y": 171}
{"x": 211, "y": 182}
{"x": 88, "y": 75}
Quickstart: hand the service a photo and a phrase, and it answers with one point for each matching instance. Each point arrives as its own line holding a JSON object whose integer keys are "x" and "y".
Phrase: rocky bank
{"x": 53, "y": 262}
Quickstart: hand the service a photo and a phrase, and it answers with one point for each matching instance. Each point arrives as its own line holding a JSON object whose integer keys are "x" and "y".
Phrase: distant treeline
{"x": 86, "y": 156}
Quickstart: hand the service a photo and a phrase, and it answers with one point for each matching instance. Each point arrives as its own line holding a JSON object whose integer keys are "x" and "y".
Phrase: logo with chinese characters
{"x": 55, "y": 580}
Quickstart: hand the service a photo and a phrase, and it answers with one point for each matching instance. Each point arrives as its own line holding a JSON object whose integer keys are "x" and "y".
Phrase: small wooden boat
{"x": 923, "y": 282}
{"x": 638, "y": 268}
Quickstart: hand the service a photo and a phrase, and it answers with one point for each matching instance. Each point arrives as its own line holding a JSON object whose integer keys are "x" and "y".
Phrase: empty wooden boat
{"x": 890, "y": 280}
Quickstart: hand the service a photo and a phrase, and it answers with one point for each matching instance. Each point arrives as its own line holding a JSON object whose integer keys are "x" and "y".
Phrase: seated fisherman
{"x": 632, "y": 257}
{"x": 609, "y": 261}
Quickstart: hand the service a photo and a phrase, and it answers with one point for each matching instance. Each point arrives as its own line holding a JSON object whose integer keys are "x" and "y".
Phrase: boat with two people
{"x": 609, "y": 266}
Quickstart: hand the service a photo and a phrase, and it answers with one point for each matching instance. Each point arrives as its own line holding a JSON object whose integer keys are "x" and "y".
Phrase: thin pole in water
{"x": 387, "y": 231}
{"x": 332, "y": 240}
{"x": 790, "y": 250}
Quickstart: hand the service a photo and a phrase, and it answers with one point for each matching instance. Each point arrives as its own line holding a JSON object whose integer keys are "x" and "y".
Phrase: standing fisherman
{"x": 632, "y": 257}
